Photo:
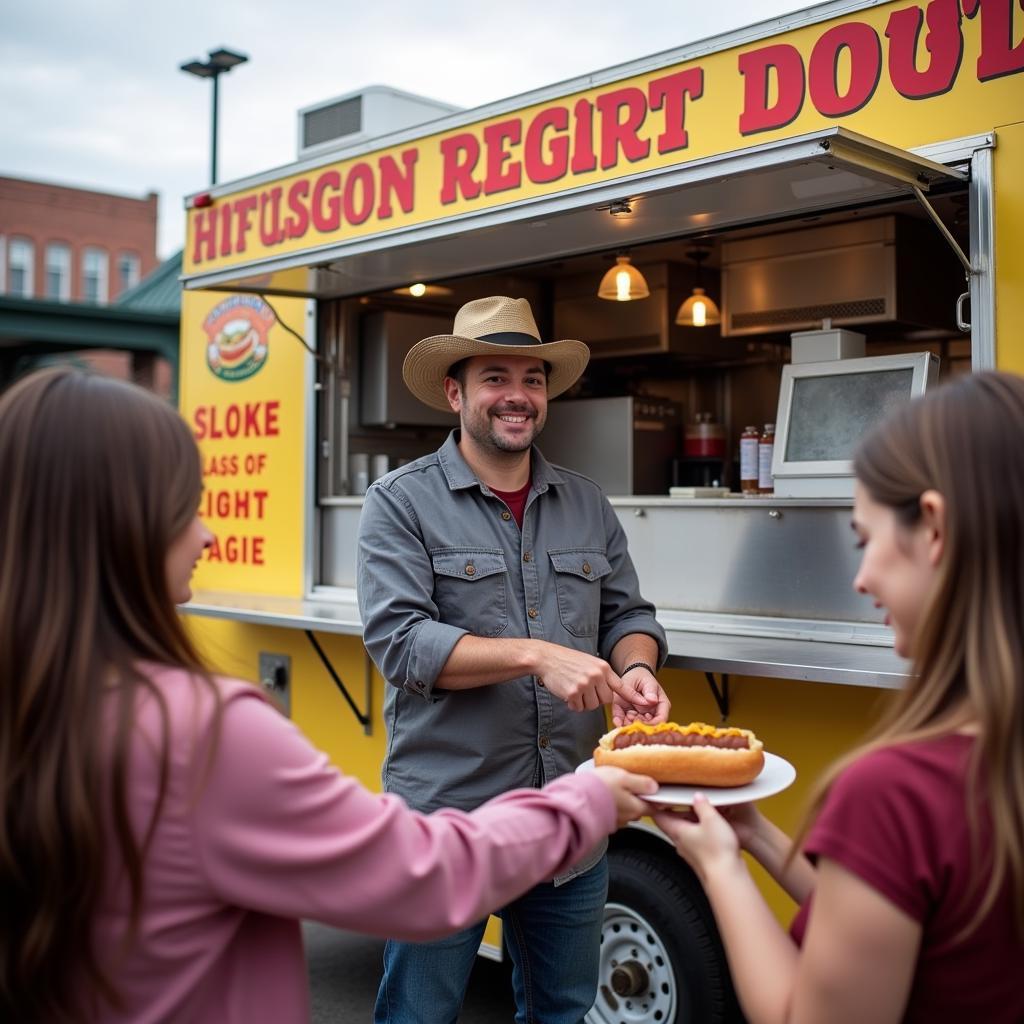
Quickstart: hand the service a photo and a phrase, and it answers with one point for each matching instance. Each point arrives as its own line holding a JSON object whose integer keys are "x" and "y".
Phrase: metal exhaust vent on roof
{"x": 332, "y": 122}
{"x": 357, "y": 117}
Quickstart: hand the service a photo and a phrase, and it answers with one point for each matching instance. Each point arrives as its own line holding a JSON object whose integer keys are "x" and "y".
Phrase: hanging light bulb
{"x": 623, "y": 282}
{"x": 698, "y": 310}
{"x": 418, "y": 289}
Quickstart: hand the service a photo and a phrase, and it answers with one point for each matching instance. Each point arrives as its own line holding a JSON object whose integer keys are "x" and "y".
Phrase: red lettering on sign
{"x": 497, "y": 138}
{"x": 616, "y": 134}
{"x": 271, "y": 233}
{"x": 225, "y": 230}
{"x": 327, "y": 215}
{"x": 400, "y": 184}
{"x": 233, "y": 504}
{"x": 204, "y": 235}
{"x": 221, "y": 465}
{"x": 865, "y": 51}
{"x": 359, "y": 193}
{"x": 243, "y": 208}
{"x": 460, "y": 154}
{"x": 998, "y": 55}
{"x": 943, "y": 41}
{"x": 235, "y": 550}
{"x": 539, "y": 169}
{"x": 253, "y": 419}
{"x": 297, "y": 221}
{"x": 670, "y": 92}
{"x": 757, "y": 67}
{"x": 584, "y": 158}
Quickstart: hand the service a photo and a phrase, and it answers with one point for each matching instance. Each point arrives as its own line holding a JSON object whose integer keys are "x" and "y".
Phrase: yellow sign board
{"x": 243, "y": 393}
{"x": 908, "y": 74}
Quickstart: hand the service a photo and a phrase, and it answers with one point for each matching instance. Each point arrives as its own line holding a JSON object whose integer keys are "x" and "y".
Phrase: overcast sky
{"x": 91, "y": 94}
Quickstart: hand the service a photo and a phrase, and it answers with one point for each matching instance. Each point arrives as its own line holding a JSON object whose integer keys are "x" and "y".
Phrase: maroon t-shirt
{"x": 897, "y": 818}
{"x": 516, "y": 501}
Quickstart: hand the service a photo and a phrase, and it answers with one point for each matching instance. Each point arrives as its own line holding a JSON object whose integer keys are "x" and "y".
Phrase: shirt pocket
{"x": 471, "y": 589}
{"x": 578, "y": 575}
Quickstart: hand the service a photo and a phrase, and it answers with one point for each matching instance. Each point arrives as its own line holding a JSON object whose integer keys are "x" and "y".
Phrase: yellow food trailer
{"x": 844, "y": 185}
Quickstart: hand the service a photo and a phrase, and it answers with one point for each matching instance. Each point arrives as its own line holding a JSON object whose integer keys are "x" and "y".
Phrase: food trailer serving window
{"x": 824, "y": 410}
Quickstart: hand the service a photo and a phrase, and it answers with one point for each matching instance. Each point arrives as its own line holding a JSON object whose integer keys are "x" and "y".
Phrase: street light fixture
{"x": 219, "y": 61}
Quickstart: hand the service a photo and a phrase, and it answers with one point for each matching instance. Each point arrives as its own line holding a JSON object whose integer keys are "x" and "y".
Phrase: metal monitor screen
{"x": 829, "y": 415}
{"x": 826, "y": 408}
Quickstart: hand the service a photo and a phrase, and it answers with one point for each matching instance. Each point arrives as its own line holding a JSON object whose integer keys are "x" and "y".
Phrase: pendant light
{"x": 698, "y": 310}
{"x": 623, "y": 282}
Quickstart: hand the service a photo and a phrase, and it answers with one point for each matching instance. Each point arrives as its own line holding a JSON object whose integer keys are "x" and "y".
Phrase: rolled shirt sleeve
{"x": 395, "y": 591}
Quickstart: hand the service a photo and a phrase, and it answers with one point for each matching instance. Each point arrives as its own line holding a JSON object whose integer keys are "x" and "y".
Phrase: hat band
{"x": 509, "y": 338}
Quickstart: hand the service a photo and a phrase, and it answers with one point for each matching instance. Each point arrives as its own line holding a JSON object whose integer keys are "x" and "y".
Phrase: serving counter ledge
{"x": 710, "y": 647}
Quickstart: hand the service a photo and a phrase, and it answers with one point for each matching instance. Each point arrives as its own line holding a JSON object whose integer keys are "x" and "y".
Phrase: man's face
{"x": 504, "y": 402}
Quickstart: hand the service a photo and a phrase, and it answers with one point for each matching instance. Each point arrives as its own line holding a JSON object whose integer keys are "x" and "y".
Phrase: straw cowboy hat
{"x": 496, "y": 325}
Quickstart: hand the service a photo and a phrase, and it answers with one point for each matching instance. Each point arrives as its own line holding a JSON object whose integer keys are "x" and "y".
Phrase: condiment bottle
{"x": 748, "y": 460}
{"x": 703, "y": 439}
{"x": 765, "y": 451}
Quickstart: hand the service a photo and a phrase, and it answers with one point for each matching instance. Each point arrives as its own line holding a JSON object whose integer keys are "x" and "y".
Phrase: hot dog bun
{"x": 671, "y": 761}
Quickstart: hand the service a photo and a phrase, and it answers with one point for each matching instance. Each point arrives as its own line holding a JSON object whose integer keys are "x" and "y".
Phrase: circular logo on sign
{"x": 236, "y": 331}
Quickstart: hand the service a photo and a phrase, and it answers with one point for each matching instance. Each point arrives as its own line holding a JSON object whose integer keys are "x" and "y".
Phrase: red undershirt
{"x": 516, "y": 501}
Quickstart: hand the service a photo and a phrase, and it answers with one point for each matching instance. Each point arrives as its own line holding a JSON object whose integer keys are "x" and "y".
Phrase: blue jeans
{"x": 553, "y": 935}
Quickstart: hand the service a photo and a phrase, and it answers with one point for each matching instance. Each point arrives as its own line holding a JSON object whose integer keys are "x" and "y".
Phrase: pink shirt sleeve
{"x": 279, "y": 830}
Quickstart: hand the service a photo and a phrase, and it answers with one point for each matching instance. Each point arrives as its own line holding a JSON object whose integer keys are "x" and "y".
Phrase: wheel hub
{"x": 629, "y": 979}
{"x": 636, "y": 982}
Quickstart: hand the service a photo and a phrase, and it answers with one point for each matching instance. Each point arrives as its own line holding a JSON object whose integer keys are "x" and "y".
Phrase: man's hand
{"x": 581, "y": 680}
{"x": 639, "y": 698}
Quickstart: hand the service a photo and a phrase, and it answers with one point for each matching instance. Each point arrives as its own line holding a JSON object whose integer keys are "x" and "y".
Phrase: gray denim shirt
{"x": 441, "y": 556}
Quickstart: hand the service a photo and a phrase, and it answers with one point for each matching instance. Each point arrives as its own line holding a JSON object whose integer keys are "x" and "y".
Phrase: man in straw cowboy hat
{"x": 499, "y": 601}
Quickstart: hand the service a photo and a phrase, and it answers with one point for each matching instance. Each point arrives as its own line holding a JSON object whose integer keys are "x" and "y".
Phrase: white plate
{"x": 776, "y": 775}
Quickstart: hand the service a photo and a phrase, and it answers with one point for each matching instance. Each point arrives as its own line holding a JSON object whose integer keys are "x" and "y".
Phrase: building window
{"x": 21, "y": 258}
{"x": 58, "y": 271}
{"x": 127, "y": 271}
{"x": 94, "y": 274}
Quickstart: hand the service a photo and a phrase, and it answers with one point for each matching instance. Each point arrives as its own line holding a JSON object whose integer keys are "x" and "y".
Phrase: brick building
{"x": 66, "y": 244}
{"x": 79, "y": 282}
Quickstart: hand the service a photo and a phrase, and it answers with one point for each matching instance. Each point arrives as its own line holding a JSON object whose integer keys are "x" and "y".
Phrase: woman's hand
{"x": 702, "y": 839}
{"x": 628, "y": 790}
{"x": 747, "y": 822}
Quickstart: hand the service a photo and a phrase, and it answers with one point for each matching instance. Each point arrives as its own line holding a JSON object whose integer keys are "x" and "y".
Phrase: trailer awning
{"x": 831, "y": 169}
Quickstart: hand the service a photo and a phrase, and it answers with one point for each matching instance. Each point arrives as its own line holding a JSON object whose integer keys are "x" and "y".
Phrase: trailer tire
{"x": 662, "y": 961}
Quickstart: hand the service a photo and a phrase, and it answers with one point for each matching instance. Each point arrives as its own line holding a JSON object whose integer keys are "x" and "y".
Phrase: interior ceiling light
{"x": 623, "y": 282}
{"x": 420, "y": 290}
{"x": 698, "y": 310}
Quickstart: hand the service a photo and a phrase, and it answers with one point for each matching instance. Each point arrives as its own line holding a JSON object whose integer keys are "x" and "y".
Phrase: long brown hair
{"x": 97, "y": 478}
{"x": 966, "y": 441}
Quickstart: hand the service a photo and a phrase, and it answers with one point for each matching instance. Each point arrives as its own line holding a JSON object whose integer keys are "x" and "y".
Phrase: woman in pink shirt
{"x": 911, "y": 870}
{"x": 163, "y": 830}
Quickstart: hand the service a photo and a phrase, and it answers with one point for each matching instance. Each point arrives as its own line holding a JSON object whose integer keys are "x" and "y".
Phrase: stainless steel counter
{"x": 706, "y": 650}
{"x": 744, "y": 586}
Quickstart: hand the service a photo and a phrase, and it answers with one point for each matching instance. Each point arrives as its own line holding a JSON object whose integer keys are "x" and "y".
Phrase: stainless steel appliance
{"x": 625, "y": 443}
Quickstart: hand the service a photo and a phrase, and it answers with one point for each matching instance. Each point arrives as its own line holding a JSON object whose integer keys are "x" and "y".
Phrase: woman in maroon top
{"x": 910, "y": 870}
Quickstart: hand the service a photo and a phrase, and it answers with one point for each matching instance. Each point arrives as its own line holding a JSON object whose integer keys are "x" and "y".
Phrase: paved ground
{"x": 344, "y": 971}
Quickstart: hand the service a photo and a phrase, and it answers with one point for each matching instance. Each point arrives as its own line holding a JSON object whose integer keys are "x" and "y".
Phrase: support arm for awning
{"x": 930, "y": 210}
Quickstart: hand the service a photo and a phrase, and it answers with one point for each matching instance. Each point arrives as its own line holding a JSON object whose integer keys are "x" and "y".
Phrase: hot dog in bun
{"x": 693, "y": 755}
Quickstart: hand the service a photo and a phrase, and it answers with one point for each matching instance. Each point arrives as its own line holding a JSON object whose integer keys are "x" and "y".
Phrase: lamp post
{"x": 219, "y": 61}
